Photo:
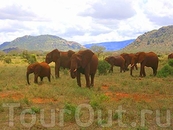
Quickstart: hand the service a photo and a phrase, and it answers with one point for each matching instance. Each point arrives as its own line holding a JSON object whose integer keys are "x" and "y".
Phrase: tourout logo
{"x": 92, "y": 114}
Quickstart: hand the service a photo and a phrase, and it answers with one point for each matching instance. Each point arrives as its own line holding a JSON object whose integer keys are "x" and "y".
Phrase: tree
{"x": 98, "y": 49}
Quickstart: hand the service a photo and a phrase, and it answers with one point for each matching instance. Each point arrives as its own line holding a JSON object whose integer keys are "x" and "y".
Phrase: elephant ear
{"x": 85, "y": 57}
{"x": 70, "y": 53}
{"x": 141, "y": 56}
{"x": 55, "y": 55}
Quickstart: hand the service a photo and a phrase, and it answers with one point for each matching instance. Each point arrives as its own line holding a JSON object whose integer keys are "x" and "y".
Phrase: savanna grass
{"x": 153, "y": 93}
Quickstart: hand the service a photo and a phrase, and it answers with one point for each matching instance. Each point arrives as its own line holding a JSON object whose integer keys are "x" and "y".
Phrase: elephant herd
{"x": 149, "y": 59}
{"x": 86, "y": 62}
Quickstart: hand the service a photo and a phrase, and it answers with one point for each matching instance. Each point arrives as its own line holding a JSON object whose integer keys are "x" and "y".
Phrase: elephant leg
{"x": 92, "y": 80}
{"x": 78, "y": 79}
{"x": 121, "y": 69}
{"x": 131, "y": 70}
{"x": 142, "y": 71}
{"x": 57, "y": 71}
{"x": 154, "y": 71}
{"x": 36, "y": 78}
{"x": 136, "y": 67}
{"x": 49, "y": 78}
{"x": 111, "y": 69}
{"x": 87, "y": 80}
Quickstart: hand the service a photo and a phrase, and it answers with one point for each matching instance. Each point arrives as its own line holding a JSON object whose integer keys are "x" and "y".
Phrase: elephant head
{"x": 110, "y": 60}
{"x": 53, "y": 56}
{"x": 70, "y": 53}
{"x": 138, "y": 58}
{"x": 80, "y": 61}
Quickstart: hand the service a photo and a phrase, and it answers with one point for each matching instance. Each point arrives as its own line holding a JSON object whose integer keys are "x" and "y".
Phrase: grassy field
{"x": 117, "y": 101}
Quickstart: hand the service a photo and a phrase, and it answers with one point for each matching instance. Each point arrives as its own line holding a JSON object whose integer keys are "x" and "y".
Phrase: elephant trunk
{"x": 72, "y": 73}
{"x": 27, "y": 77}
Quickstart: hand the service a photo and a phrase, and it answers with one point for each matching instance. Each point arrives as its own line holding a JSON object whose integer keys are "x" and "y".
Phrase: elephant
{"x": 128, "y": 57}
{"x": 85, "y": 62}
{"x": 61, "y": 59}
{"x": 170, "y": 56}
{"x": 40, "y": 70}
{"x": 149, "y": 59}
{"x": 116, "y": 61}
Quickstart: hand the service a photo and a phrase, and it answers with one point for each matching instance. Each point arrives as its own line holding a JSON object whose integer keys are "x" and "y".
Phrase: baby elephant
{"x": 40, "y": 70}
{"x": 116, "y": 61}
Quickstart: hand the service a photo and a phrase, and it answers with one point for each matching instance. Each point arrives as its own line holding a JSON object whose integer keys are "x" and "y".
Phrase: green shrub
{"x": 103, "y": 67}
{"x": 7, "y": 60}
{"x": 170, "y": 62}
{"x": 70, "y": 110}
{"x": 165, "y": 71}
{"x": 30, "y": 58}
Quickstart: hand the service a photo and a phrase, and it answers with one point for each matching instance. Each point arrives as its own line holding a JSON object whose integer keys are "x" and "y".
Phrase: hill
{"x": 42, "y": 42}
{"x": 160, "y": 41}
{"x": 112, "y": 46}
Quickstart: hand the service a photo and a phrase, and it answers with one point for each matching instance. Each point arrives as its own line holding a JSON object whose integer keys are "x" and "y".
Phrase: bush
{"x": 30, "y": 58}
{"x": 103, "y": 67}
{"x": 70, "y": 110}
{"x": 165, "y": 71}
{"x": 7, "y": 60}
{"x": 170, "y": 62}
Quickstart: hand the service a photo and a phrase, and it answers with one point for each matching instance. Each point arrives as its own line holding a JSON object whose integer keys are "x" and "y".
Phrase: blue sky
{"x": 83, "y": 21}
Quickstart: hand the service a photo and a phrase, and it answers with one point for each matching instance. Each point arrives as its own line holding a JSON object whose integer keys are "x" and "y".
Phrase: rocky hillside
{"x": 160, "y": 41}
{"x": 42, "y": 42}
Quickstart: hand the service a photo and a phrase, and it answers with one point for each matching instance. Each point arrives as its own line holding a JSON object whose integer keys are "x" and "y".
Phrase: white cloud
{"x": 83, "y": 21}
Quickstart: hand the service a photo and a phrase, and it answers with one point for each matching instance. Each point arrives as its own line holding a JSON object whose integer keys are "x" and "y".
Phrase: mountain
{"x": 41, "y": 42}
{"x": 160, "y": 41}
{"x": 111, "y": 46}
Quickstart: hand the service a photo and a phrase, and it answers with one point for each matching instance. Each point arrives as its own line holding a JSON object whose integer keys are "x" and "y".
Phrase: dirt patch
{"x": 18, "y": 96}
{"x": 135, "y": 96}
{"x": 13, "y": 95}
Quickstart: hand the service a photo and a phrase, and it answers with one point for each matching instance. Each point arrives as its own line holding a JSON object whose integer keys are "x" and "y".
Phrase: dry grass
{"x": 62, "y": 98}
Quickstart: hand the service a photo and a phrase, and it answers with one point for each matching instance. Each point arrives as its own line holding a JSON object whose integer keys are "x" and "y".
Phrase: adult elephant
{"x": 85, "y": 62}
{"x": 116, "y": 61}
{"x": 128, "y": 57}
{"x": 61, "y": 59}
{"x": 170, "y": 56}
{"x": 40, "y": 70}
{"x": 145, "y": 59}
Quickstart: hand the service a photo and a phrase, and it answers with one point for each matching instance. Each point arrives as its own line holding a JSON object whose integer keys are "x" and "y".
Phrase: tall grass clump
{"x": 69, "y": 112}
{"x": 166, "y": 70}
{"x": 103, "y": 67}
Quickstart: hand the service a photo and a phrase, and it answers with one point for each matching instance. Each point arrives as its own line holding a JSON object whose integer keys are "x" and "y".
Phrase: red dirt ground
{"x": 135, "y": 96}
{"x": 113, "y": 96}
{"x": 17, "y": 96}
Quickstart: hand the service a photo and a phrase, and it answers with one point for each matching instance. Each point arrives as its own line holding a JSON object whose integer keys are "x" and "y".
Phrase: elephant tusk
{"x": 75, "y": 70}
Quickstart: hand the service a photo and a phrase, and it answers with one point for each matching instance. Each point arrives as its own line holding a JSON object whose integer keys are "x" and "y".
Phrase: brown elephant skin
{"x": 149, "y": 59}
{"x": 116, "y": 61}
{"x": 128, "y": 57}
{"x": 85, "y": 62}
{"x": 61, "y": 59}
{"x": 40, "y": 70}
